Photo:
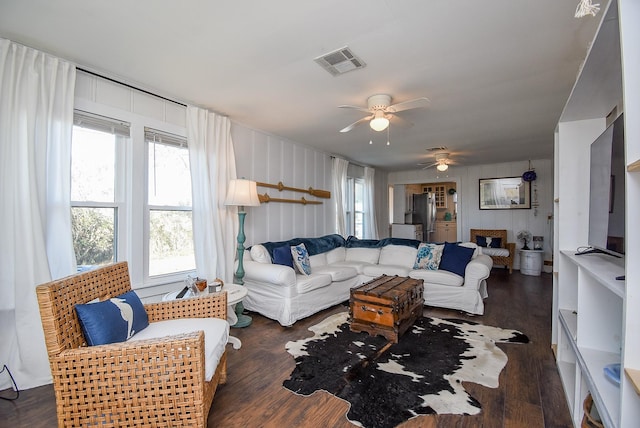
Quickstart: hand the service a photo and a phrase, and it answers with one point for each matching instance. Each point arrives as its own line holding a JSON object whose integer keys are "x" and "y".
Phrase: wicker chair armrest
{"x": 212, "y": 305}
{"x": 133, "y": 359}
{"x": 511, "y": 246}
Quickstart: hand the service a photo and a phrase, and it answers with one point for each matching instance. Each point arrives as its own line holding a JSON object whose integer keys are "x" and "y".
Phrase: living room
{"x": 262, "y": 154}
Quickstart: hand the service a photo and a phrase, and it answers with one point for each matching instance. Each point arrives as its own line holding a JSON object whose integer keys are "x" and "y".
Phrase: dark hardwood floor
{"x": 530, "y": 393}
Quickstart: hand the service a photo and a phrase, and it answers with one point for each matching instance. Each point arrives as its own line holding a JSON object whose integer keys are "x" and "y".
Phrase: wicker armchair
{"x": 506, "y": 261}
{"x": 155, "y": 382}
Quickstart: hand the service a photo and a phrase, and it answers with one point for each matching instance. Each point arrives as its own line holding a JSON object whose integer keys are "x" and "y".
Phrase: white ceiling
{"x": 497, "y": 72}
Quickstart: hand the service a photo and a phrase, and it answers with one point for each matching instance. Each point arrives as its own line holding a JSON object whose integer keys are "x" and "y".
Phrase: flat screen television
{"x": 607, "y": 191}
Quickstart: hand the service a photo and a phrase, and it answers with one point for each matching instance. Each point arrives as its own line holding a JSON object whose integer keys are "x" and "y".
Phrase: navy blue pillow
{"x": 113, "y": 320}
{"x": 496, "y": 243}
{"x": 455, "y": 258}
{"x": 282, "y": 256}
{"x": 481, "y": 241}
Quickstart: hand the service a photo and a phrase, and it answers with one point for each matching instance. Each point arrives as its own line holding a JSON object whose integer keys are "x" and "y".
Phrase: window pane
{"x": 170, "y": 242}
{"x": 93, "y": 236}
{"x": 169, "y": 176}
{"x": 359, "y": 195}
{"x": 359, "y": 232}
{"x": 93, "y": 165}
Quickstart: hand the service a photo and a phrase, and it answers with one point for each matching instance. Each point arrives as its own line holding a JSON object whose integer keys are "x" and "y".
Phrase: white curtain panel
{"x": 36, "y": 120}
{"x": 213, "y": 165}
{"x": 339, "y": 182}
{"x": 370, "y": 222}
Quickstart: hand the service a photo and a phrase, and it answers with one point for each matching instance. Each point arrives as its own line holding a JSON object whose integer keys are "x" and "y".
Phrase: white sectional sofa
{"x": 337, "y": 265}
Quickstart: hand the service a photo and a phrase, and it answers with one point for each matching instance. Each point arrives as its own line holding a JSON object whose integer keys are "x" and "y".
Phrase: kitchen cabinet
{"x": 445, "y": 231}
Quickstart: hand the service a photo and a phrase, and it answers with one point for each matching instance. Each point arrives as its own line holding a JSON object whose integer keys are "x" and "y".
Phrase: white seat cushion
{"x": 501, "y": 252}
{"x": 306, "y": 283}
{"x": 338, "y": 273}
{"x": 377, "y": 270}
{"x": 216, "y": 334}
{"x": 440, "y": 277}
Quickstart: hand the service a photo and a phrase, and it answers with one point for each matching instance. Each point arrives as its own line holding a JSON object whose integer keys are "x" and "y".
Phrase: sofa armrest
{"x": 511, "y": 246}
{"x": 269, "y": 273}
{"x": 477, "y": 270}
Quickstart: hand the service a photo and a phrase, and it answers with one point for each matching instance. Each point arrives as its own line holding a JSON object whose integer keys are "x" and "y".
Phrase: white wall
{"x": 469, "y": 214}
{"x": 269, "y": 159}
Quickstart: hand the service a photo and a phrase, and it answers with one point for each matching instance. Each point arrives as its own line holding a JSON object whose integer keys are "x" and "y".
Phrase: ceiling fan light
{"x": 379, "y": 123}
{"x": 442, "y": 167}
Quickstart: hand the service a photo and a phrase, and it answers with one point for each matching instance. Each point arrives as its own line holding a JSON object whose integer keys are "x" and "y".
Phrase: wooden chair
{"x": 154, "y": 382}
{"x": 506, "y": 261}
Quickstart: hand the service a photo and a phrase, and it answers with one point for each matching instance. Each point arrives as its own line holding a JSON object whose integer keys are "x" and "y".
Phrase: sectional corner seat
{"x": 337, "y": 265}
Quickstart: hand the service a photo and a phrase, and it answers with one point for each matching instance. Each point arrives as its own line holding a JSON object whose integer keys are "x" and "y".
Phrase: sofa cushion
{"x": 338, "y": 273}
{"x": 260, "y": 254}
{"x": 377, "y": 270}
{"x": 455, "y": 258}
{"x": 428, "y": 256}
{"x": 476, "y": 249}
{"x": 398, "y": 255}
{"x": 306, "y": 283}
{"x": 440, "y": 277}
{"x": 301, "y": 259}
{"x": 317, "y": 261}
{"x": 113, "y": 320}
{"x": 367, "y": 255}
{"x": 216, "y": 335}
{"x": 358, "y": 266}
{"x": 336, "y": 255}
{"x": 282, "y": 256}
{"x": 500, "y": 252}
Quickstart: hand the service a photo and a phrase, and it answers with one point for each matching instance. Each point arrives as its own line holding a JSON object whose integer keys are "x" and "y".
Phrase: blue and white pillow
{"x": 428, "y": 256}
{"x": 113, "y": 320}
{"x": 301, "y": 259}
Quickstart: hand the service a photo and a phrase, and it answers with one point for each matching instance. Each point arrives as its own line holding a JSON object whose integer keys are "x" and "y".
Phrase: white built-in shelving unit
{"x": 596, "y": 318}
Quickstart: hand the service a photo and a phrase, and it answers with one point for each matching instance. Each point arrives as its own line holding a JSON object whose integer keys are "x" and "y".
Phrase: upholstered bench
{"x": 501, "y": 252}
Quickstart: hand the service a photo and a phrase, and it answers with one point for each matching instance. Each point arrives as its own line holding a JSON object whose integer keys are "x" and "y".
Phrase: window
{"x": 131, "y": 198}
{"x": 170, "y": 240}
{"x": 95, "y": 189}
{"x": 355, "y": 207}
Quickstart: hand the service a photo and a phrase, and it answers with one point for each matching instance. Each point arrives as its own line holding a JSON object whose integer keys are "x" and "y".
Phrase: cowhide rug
{"x": 387, "y": 385}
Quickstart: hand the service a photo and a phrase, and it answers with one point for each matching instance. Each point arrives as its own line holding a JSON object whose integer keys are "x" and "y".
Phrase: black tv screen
{"x": 607, "y": 190}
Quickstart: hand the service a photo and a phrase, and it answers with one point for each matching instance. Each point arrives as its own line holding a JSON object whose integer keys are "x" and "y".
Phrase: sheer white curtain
{"x": 339, "y": 182}
{"x": 213, "y": 164}
{"x": 36, "y": 120}
{"x": 370, "y": 223}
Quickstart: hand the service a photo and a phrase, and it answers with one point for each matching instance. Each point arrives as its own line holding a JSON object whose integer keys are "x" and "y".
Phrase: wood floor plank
{"x": 530, "y": 393}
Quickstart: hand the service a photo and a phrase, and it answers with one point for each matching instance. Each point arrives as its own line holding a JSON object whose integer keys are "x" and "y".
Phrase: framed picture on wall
{"x": 507, "y": 193}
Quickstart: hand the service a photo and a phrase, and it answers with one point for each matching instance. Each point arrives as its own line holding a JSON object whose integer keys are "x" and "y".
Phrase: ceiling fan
{"x": 442, "y": 162}
{"x": 381, "y": 111}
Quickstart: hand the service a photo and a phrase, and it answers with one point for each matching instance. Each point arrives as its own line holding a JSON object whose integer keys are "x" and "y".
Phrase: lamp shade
{"x": 242, "y": 193}
{"x": 442, "y": 167}
{"x": 379, "y": 122}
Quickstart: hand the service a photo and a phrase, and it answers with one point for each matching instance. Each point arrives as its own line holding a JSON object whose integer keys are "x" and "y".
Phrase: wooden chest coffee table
{"x": 386, "y": 306}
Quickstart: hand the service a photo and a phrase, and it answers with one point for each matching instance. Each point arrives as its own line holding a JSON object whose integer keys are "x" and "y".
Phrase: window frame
{"x": 132, "y": 168}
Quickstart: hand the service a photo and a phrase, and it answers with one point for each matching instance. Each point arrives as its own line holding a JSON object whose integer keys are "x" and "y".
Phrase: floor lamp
{"x": 242, "y": 193}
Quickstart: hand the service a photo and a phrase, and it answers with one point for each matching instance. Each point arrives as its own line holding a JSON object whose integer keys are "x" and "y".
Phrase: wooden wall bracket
{"x": 266, "y": 198}
{"x": 313, "y": 192}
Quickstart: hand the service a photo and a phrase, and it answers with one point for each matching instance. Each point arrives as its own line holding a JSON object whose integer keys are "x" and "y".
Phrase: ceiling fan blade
{"x": 364, "y": 109}
{"x": 398, "y": 121}
{"x": 428, "y": 165}
{"x": 356, "y": 123}
{"x": 408, "y": 105}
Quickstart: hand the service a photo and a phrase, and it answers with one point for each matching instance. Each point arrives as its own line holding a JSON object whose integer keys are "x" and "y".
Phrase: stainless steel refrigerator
{"x": 424, "y": 212}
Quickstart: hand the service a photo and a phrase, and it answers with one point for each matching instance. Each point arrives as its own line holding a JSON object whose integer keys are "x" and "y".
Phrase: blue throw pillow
{"x": 488, "y": 241}
{"x": 455, "y": 258}
{"x": 481, "y": 241}
{"x": 282, "y": 256}
{"x": 113, "y": 320}
{"x": 495, "y": 242}
{"x": 300, "y": 258}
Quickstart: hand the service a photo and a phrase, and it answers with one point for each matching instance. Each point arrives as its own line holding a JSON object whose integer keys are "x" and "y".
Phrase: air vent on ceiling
{"x": 436, "y": 149}
{"x": 340, "y": 61}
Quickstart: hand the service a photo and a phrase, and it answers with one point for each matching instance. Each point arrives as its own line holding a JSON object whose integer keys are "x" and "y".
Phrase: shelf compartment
{"x": 606, "y": 395}
{"x": 603, "y": 268}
